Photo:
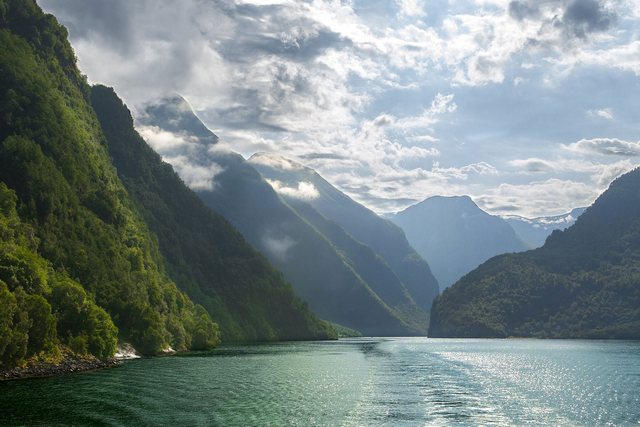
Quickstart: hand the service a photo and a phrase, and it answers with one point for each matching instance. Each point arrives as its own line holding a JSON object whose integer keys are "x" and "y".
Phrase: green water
{"x": 355, "y": 382}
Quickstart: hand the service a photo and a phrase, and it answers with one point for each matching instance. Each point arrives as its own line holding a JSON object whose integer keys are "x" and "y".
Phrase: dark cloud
{"x": 586, "y": 16}
{"x": 302, "y": 49}
{"x": 323, "y": 156}
{"x": 575, "y": 19}
{"x": 523, "y": 9}
{"x": 271, "y": 30}
{"x": 245, "y": 117}
{"x": 109, "y": 20}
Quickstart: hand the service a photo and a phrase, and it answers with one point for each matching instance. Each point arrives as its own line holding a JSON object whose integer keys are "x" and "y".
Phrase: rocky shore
{"x": 68, "y": 364}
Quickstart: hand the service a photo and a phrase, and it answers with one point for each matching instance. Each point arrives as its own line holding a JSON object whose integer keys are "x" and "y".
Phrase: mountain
{"x": 295, "y": 181}
{"x": 204, "y": 254}
{"x": 533, "y": 232}
{"x": 78, "y": 264}
{"x": 583, "y": 283}
{"x": 455, "y": 235}
{"x": 321, "y": 273}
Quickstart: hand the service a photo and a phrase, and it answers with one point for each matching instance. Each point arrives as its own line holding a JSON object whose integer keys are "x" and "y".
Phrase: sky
{"x": 531, "y": 107}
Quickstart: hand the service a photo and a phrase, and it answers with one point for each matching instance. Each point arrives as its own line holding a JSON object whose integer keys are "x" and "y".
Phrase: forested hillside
{"x": 73, "y": 243}
{"x": 583, "y": 283}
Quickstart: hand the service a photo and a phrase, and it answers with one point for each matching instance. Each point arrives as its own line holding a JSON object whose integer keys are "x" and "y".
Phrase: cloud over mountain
{"x": 445, "y": 96}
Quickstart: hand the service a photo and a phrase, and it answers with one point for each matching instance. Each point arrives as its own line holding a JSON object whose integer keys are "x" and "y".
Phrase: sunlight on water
{"x": 356, "y": 382}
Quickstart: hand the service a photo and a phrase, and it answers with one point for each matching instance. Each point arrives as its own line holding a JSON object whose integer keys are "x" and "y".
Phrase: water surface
{"x": 354, "y": 382}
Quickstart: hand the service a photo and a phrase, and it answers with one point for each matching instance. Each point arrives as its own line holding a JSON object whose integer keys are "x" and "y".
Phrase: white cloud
{"x": 605, "y": 146}
{"x": 197, "y": 177}
{"x": 302, "y": 191}
{"x": 365, "y": 95}
{"x": 412, "y": 7}
{"x": 278, "y": 246}
{"x": 604, "y": 113}
{"x": 164, "y": 141}
{"x": 537, "y": 198}
{"x": 275, "y": 161}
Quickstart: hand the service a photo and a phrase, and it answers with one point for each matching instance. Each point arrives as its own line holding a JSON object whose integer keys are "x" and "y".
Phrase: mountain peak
{"x": 174, "y": 114}
{"x": 458, "y": 202}
{"x": 455, "y": 235}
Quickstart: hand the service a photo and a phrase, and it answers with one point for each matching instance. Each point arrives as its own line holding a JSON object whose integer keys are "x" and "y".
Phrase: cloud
{"x": 582, "y": 17}
{"x": 600, "y": 174}
{"x": 605, "y": 146}
{"x": 412, "y": 7}
{"x": 275, "y": 161}
{"x": 278, "y": 246}
{"x": 573, "y": 19}
{"x": 392, "y": 102}
{"x": 532, "y": 165}
{"x": 537, "y": 198}
{"x": 302, "y": 191}
{"x": 165, "y": 142}
{"x": 195, "y": 176}
{"x": 604, "y": 113}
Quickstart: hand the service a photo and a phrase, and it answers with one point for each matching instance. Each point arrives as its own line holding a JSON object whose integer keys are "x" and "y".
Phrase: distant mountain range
{"x": 533, "y": 232}
{"x": 341, "y": 278}
{"x": 583, "y": 283}
{"x": 455, "y": 235}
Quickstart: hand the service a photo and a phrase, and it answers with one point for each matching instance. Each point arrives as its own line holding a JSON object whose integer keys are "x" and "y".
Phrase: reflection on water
{"x": 355, "y": 382}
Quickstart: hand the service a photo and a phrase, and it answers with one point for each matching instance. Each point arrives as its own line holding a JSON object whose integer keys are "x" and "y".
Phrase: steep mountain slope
{"x": 583, "y": 283}
{"x": 369, "y": 267}
{"x": 204, "y": 254}
{"x": 455, "y": 235}
{"x": 533, "y": 232}
{"x": 82, "y": 226}
{"x": 320, "y": 274}
{"x": 384, "y": 238}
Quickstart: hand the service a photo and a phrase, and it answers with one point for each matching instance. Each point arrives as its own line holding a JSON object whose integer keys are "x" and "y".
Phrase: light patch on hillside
{"x": 275, "y": 162}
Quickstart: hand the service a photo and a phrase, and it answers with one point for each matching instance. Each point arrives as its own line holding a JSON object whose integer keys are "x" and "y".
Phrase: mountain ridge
{"x": 582, "y": 283}
{"x": 319, "y": 273}
{"x": 381, "y": 235}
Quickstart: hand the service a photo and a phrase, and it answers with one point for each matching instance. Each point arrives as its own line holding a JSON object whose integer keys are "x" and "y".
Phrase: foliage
{"x": 72, "y": 244}
{"x": 583, "y": 283}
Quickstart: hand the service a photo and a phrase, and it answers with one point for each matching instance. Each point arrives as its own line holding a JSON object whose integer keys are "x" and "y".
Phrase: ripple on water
{"x": 356, "y": 382}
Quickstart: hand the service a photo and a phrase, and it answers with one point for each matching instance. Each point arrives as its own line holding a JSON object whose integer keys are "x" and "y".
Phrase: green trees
{"x": 76, "y": 258}
{"x": 41, "y": 308}
{"x": 583, "y": 283}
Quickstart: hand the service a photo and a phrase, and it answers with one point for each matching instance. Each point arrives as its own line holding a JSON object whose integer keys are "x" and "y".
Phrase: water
{"x": 355, "y": 382}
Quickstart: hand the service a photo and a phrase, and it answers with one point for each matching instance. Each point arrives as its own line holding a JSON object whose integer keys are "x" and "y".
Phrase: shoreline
{"x": 69, "y": 365}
